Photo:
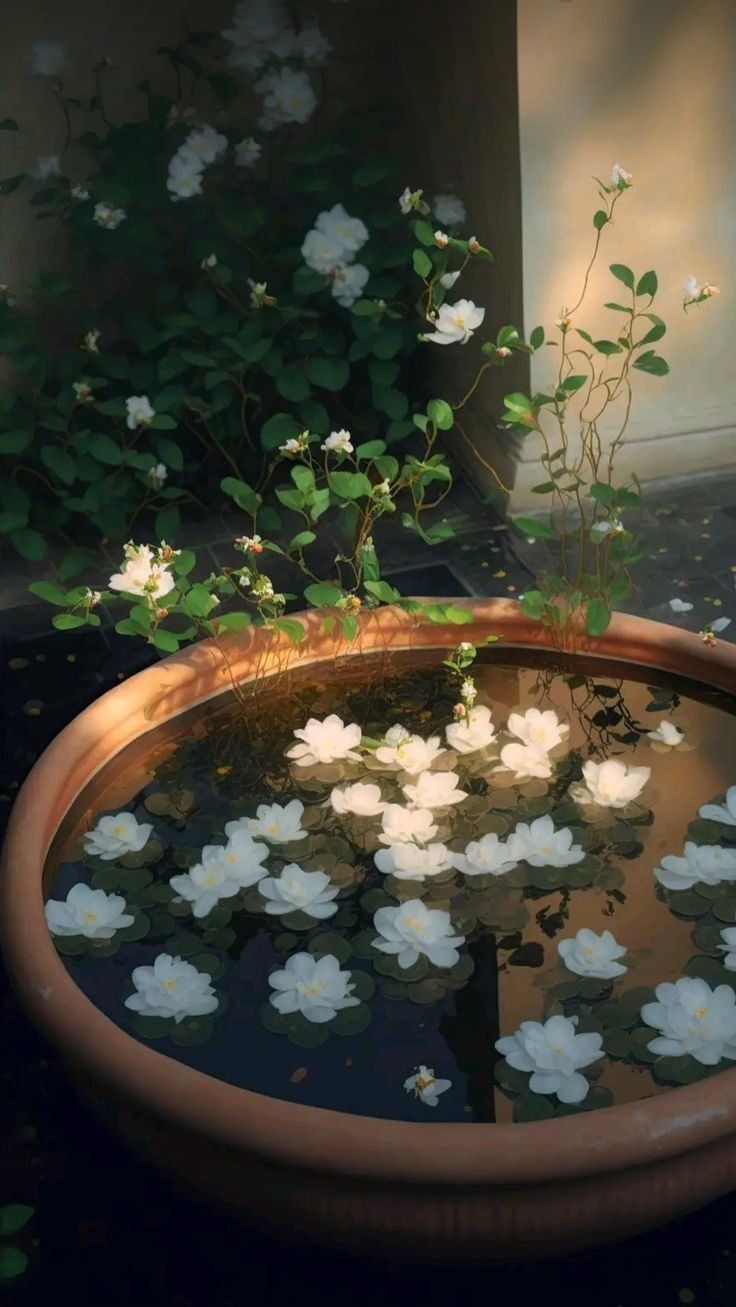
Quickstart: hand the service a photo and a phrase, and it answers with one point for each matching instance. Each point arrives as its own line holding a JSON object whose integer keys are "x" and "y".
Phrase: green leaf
{"x": 423, "y": 232}
{"x": 532, "y": 604}
{"x": 166, "y": 641}
{"x": 534, "y": 527}
{"x": 104, "y": 449}
{"x": 439, "y": 412}
{"x": 571, "y": 384}
{"x": 13, "y": 1261}
{"x": 370, "y": 449}
{"x": 349, "y": 626}
{"x": 234, "y": 621}
{"x": 350, "y": 485}
{"x": 169, "y": 453}
{"x": 545, "y": 488}
{"x": 597, "y": 617}
{"x": 243, "y": 494}
{"x": 68, "y": 621}
{"x": 607, "y": 347}
{"x": 11, "y": 184}
{"x": 656, "y": 332}
{"x": 14, "y": 442}
{"x": 59, "y": 462}
{"x": 166, "y": 523}
{"x": 302, "y": 539}
{"x": 622, "y": 273}
{"x": 537, "y": 337}
{"x": 72, "y": 563}
{"x": 652, "y": 363}
{"x": 29, "y": 544}
{"x": 383, "y": 591}
{"x": 600, "y": 218}
{"x": 224, "y": 86}
{"x": 421, "y": 263}
{"x": 647, "y": 283}
{"x": 602, "y": 493}
{"x": 184, "y": 563}
{"x": 305, "y": 281}
{"x": 198, "y": 601}
{"x": 279, "y": 428}
{"x": 329, "y": 373}
{"x": 14, "y": 1216}
{"x": 321, "y": 594}
{"x": 292, "y": 629}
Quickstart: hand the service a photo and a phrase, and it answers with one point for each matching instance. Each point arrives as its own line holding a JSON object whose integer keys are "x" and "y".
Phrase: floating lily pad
{"x": 117, "y": 879}
{"x": 193, "y": 1031}
{"x": 308, "y": 1034}
{"x": 617, "y": 1043}
{"x": 616, "y": 1016}
{"x": 222, "y": 937}
{"x": 351, "y": 1020}
{"x": 725, "y": 909}
{"x": 528, "y": 955}
{"x": 533, "y": 1107}
{"x": 426, "y": 992}
{"x": 641, "y": 1038}
{"x": 151, "y": 1027}
{"x": 387, "y": 965}
{"x": 330, "y": 943}
{"x": 679, "y": 1070}
{"x": 211, "y": 964}
{"x": 285, "y": 943}
{"x": 72, "y": 946}
{"x": 708, "y": 939}
{"x": 364, "y": 986}
{"x": 686, "y": 903}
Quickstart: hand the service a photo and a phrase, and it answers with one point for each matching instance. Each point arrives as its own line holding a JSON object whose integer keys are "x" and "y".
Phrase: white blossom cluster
{"x": 202, "y": 146}
{"x": 264, "y": 40}
{"x": 330, "y": 248}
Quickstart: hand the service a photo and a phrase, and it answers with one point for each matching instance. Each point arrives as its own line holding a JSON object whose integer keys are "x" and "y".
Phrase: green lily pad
{"x": 387, "y": 965}
{"x": 351, "y": 1020}
{"x": 364, "y": 986}
{"x": 725, "y": 910}
{"x": 330, "y": 943}
{"x": 616, "y": 1016}
{"x": 686, "y": 903}
{"x": 223, "y": 937}
{"x": 210, "y": 964}
{"x": 533, "y": 1107}
{"x": 679, "y": 1070}
{"x": 193, "y": 1031}
{"x": 617, "y": 1043}
{"x": 285, "y": 943}
{"x": 640, "y": 1040}
{"x": 426, "y": 992}
{"x": 308, "y": 1034}
{"x": 151, "y": 1027}
{"x": 511, "y": 1079}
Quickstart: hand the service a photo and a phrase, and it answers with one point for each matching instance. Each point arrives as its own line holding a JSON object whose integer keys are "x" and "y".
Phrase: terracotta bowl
{"x": 452, "y": 1191}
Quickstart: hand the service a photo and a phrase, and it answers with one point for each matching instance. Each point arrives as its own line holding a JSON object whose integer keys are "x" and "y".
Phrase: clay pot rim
{"x": 312, "y": 1138}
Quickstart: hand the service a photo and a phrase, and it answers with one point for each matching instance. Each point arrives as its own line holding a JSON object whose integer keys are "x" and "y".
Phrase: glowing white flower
{"x": 247, "y": 152}
{"x": 456, "y": 323}
{"x": 693, "y": 1019}
{"x": 588, "y": 954}
{"x": 315, "y": 987}
{"x": 413, "y": 861}
{"x": 261, "y": 31}
{"x": 278, "y": 823}
{"x": 666, "y": 733}
{"x": 325, "y": 741}
{"x": 413, "y": 930}
{"x": 88, "y": 912}
{"x": 157, "y": 475}
{"x": 298, "y": 890}
{"x": 691, "y": 288}
{"x": 321, "y": 252}
{"x": 728, "y": 935}
{"x": 115, "y": 836}
{"x": 610, "y": 784}
{"x": 725, "y": 813}
{"x": 425, "y": 1086}
{"x": 83, "y": 392}
{"x": 706, "y": 864}
{"x": 171, "y": 988}
{"x": 396, "y": 734}
{"x": 185, "y": 176}
{"x": 525, "y": 761}
{"x": 361, "y": 799}
{"x": 338, "y": 442}
{"x": 349, "y": 233}
{"x": 47, "y": 166}
{"x": 241, "y": 857}
{"x": 49, "y": 59}
{"x": 141, "y": 574}
{"x": 449, "y": 210}
{"x": 348, "y": 282}
{"x": 554, "y": 1054}
{"x": 448, "y": 279}
{"x": 105, "y": 215}
{"x": 204, "y": 144}
{"x": 540, "y": 845}
{"x": 680, "y": 606}
{"x": 541, "y": 730}
{"x": 287, "y": 98}
{"x": 139, "y": 412}
{"x": 407, "y": 825}
{"x": 79, "y": 192}
{"x": 311, "y": 44}
{"x": 488, "y": 856}
{"x": 619, "y": 176}
{"x": 434, "y": 789}
{"x": 409, "y": 200}
{"x": 442, "y": 239}
{"x": 412, "y": 755}
{"x": 206, "y": 883}
{"x": 473, "y": 732}
{"x": 90, "y": 341}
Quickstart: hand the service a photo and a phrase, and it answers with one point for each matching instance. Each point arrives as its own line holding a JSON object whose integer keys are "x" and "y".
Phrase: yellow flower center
{"x": 458, "y": 320}
{"x": 271, "y": 830}
{"x": 210, "y": 880}
{"x": 314, "y": 991}
{"x": 89, "y": 916}
{"x": 589, "y": 950}
{"x": 170, "y": 984}
{"x": 413, "y": 924}
{"x": 118, "y": 830}
{"x": 423, "y": 1082}
{"x": 701, "y": 1011}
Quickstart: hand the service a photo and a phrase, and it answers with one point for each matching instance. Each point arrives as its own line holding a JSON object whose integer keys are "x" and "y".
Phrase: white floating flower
{"x": 525, "y": 761}
{"x": 278, "y": 823}
{"x": 413, "y": 861}
{"x": 680, "y": 606}
{"x": 610, "y": 784}
{"x": 47, "y": 166}
{"x": 434, "y": 789}
{"x": 338, "y": 442}
{"x": 693, "y": 1019}
{"x": 488, "y": 856}
{"x": 115, "y": 836}
{"x": 171, "y": 988}
{"x": 140, "y": 574}
{"x": 407, "y": 825}
{"x": 325, "y": 741}
{"x": 49, "y": 59}
{"x": 542, "y": 730}
{"x": 205, "y": 884}
{"x": 298, "y": 890}
{"x": 287, "y": 98}
{"x": 706, "y": 864}
{"x": 540, "y": 845}
{"x": 247, "y": 152}
{"x": 725, "y": 813}
{"x": 139, "y": 411}
{"x": 456, "y": 323}
{"x": 448, "y": 279}
{"x": 413, "y": 930}
{"x": 620, "y": 177}
{"x": 588, "y": 954}
{"x": 88, "y": 912}
{"x": 157, "y": 475}
{"x": 336, "y": 223}
{"x": 554, "y": 1054}
{"x": 241, "y": 856}
{"x": 315, "y": 987}
{"x": 106, "y": 215}
{"x": 427, "y": 1088}
{"x": 720, "y": 624}
{"x": 321, "y": 252}
{"x": 361, "y": 799}
{"x": 412, "y": 754}
{"x": 728, "y": 935}
{"x": 348, "y": 282}
{"x": 449, "y": 210}
{"x": 666, "y": 734}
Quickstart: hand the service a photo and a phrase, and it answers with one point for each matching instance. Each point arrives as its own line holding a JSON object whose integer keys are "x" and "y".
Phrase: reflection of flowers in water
{"x": 412, "y": 754}
{"x": 113, "y": 837}
{"x": 407, "y": 825}
{"x": 706, "y": 864}
{"x": 425, "y": 1086}
{"x": 526, "y": 762}
{"x": 412, "y": 861}
{"x": 360, "y": 799}
{"x": 434, "y": 789}
{"x": 488, "y": 856}
{"x": 540, "y": 730}
{"x": 413, "y": 930}
{"x": 315, "y": 987}
{"x": 554, "y": 1053}
{"x": 539, "y": 844}
{"x": 88, "y": 912}
{"x": 296, "y": 889}
{"x": 588, "y": 954}
{"x": 725, "y": 812}
{"x": 666, "y": 734}
{"x": 325, "y": 741}
{"x": 728, "y": 935}
{"x": 610, "y": 784}
{"x": 475, "y": 731}
{"x": 693, "y": 1018}
{"x": 278, "y": 823}
{"x": 171, "y": 988}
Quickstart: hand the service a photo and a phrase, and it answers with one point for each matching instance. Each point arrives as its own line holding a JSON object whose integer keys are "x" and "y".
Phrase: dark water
{"x": 512, "y": 923}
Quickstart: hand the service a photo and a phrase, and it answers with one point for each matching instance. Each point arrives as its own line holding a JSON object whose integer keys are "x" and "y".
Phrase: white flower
{"x": 456, "y": 322}
{"x": 157, "y": 475}
{"x": 46, "y": 166}
{"x": 363, "y": 800}
{"x": 207, "y": 882}
{"x": 204, "y": 144}
{"x": 541, "y": 730}
{"x": 311, "y": 45}
{"x": 406, "y": 825}
{"x": 413, "y": 930}
{"x": 610, "y": 526}
{"x": 449, "y": 210}
{"x": 725, "y": 813}
{"x": 434, "y": 789}
{"x": 425, "y": 1086}
{"x": 588, "y": 954}
{"x": 554, "y": 1054}
{"x": 140, "y": 574}
{"x": 442, "y": 239}
{"x": 79, "y": 192}
{"x": 691, "y": 288}
{"x": 666, "y": 733}
{"x": 287, "y": 98}
{"x": 693, "y": 1019}
{"x": 409, "y": 200}
{"x": 348, "y": 282}
{"x": 88, "y": 912}
{"x": 315, "y": 987}
{"x": 680, "y": 606}
{"x": 338, "y": 442}
{"x": 325, "y": 741}
{"x": 278, "y": 823}
{"x": 171, "y": 988}
{"x": 293, "y": 446}
{"x": 107, "y": 216}
{"x": 299, "y": 890}
{"x": 706, "y": 864}
{"x": 49, "y": 59}
{"x": 540, "y": 845}
{"x": 336, "y": 223}
{"x": 112, "y": 837}
{"x": 396, "y": 734}
{"x": 241, "y": 856}
{"x": 619, "y": 175}
{"x": 83, "y": 392}
{"x": 728, "y": 935}
{"x": 468, "y": 690}
{"x": 247, "y": 152}
{"x": 209, "y": 261}
{"x": 321, "y": 252}
{"x": 610, "y": 784}
{"x": 448, "y": 279}
{"x": 475, "y": 731}
{"x": 261, "y": 31}
{"x": 140, "y": 412}
{"x": 525, "y": 760}
{"x": 383, "y": 489}
{"x": 90, "y": 341}
{"x": 488, "y": 856}
{"x": 413, "y": 861}
{"x": 249, "y": 544}
{"x": 412, "y": 755}
{"x": 185, "y": 176}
